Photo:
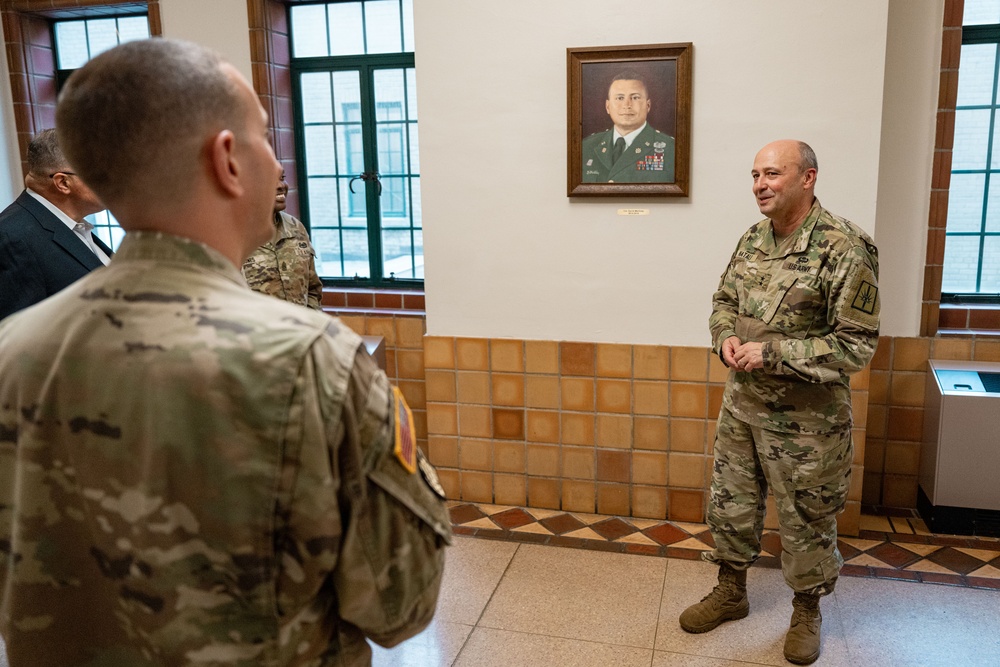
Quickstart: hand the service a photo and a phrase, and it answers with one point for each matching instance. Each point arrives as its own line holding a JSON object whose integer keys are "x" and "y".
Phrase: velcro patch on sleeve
{"x": 405, "y": 447}
{"x": 861, "y": 303}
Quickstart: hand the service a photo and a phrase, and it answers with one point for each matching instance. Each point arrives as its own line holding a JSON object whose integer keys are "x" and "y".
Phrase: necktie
{"x": 619, "y": 149}
{"x": 83, "y": 230}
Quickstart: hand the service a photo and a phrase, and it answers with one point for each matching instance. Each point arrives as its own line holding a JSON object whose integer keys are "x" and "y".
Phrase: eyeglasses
{"x": 68, "y": 173}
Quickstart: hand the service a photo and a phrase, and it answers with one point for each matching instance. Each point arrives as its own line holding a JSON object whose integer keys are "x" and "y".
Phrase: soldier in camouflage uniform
{"x": 796, "y": 313}
{"x": 192, "y": 473}
{"x": 285, "y": 266}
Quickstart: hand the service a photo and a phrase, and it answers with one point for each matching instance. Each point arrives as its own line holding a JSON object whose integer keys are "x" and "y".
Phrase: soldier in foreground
{"x": 796, "y": 313}
{"x": 191, "y": 472}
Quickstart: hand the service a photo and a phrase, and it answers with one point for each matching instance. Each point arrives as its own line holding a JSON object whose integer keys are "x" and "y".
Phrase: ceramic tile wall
{"x": 613, "y": 429}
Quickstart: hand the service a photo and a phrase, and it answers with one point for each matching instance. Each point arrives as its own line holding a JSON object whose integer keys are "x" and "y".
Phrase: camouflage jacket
{"x": 813, "y": 302}
{"x": 286, "y": 268}
{"x": 193, "y": 473}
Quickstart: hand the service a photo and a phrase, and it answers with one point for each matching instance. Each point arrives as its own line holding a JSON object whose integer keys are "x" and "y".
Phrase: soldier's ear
{"x": 809, "y": 178}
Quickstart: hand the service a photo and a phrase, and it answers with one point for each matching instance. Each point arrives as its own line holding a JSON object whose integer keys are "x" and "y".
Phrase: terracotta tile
{"x": 715, "y": 394}
{"x": 687, "y": 435}
{"x": 861, "y": 379}
{"x": 543, "y": 426}
{"x": 650, "y": 398}
{"x": 391, "y": 367}
{"x": 414, "y": 392}
{"x": 614, "y": 360}
{"x": 877, "y": 423}
{"x": 651, "y": 433}
{"x": 578, "y": 496}
{"x": 687, "y": 470}
{"x": 689, "y": 364}
{"x": 420, "y": 424}
{"x": 541, "y": 356}
{"x": 577, "y": 394}
{"x": 508, "y": 424}
{"x": 508, "y": 389}
{"x": 650, "y": 502}
{"x": 652, "y": 362}
{"x": 955, "y": 560}
{"x": 542, "y": 460}
{"x": 562, "y": 523}
{"x": 472, "y": 354}
{"x": 907, "y": 389}
{"x": 451, "y": 483}
{"x": 848, "y": 521}
{"x": 355, "y": 323}
{"x": 613, "y": 499}
{"x": 474, "y": 421}
{"x": 613, "y": 465}
{"x": 902, "y": 458}
{"x": 440, "y": 386}
{"x": 984, "y": 318}
{"x": 688, "y": 506}
{"x": 899, "y": 491}
{"x": 717, "y": 371}
{"x": 388, "y": 301}
{"x": 439, "y": 352}
{"x": 905, "y": 424}
{"x": 577, "y": 429}
{"x": 986, "y": 350}
{"x": 384, "y": 327}
{"x": 857, "y": 478}
{"x": 878, "y": 387}
{"x": 910, "y": 354}
{"x": 542, "y": 391}
{"x": 509, "y": 457}
{"x": 410, "y": 332}
{"x": 871, "y": 491}
{"x": 413, "y": 301}
{"x": 473, "y": 387}
{"x": 614, "y": 396}
{"x": 465, "y": 513}
{"x": 360, "y": 299}
{"x": 614, "y": 431}
{"x": 665, "y": 533}
{"x": 442, "y": 419}
{"x": 649, "y": 468}
{"x": 577, "y": 358}
{"x": 443, "y": 451}
{"x": 507, "y": 355}
{"x": 477, "y": 487}
{"x": 578, "y": 463}
{"x": 544, "y": 493}
{"x": 475, "y": 454}
{"x": 510, "y": 490}
{"x": 860, "y": 442}
{"x": 859, "y": 408}
{"x": 688, "y": 400}
{"x": 883, "y": 354}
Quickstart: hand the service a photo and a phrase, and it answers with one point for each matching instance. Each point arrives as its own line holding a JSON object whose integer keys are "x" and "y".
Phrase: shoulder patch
{"x": 405, "y": 447}
{"x": 860, "y": 300}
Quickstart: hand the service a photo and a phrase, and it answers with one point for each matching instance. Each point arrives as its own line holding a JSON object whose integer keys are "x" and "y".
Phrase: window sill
{"x": 969, "y": 319}
{"x": 373, "y": 301}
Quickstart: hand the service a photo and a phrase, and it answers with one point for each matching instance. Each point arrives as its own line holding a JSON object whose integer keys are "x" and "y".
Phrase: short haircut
{"x": 133, "y": 121}
{"x": 629, "y": 75}
{"x": 44, "y": 154}
{"x": 807, "y": 157}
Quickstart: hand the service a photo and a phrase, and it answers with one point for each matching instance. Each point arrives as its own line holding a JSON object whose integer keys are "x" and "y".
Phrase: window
{"x": 972, "y": 238}
{"x": 78, "y": 41}
{"x": 356, "y": 121}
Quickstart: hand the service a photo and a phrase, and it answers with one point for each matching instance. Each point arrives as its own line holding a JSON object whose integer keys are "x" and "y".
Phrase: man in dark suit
{"x": 45, "y": 243}
{"x": 632, "y": 151}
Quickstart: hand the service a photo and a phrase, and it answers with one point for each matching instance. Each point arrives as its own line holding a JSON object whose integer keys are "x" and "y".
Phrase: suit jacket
{"x": 650, "y": 158}
{"x": 39, "y": 255}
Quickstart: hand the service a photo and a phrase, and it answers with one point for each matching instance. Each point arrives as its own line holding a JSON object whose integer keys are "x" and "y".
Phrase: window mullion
{"x": 369, "y": 137}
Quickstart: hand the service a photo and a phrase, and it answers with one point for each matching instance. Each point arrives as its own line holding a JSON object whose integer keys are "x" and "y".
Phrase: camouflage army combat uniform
{"x": 813, "y": 303}
{"x": 648, "y": 159}
{"x": 286, "y": 267}
{"x": 194, "y": 474}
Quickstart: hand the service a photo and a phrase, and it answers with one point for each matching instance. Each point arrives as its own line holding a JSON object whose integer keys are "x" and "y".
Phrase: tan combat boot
{"x": 727, "y": 602}
{"x": 802, "y": 640}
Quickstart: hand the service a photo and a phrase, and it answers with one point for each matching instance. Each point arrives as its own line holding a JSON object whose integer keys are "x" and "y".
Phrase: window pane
{"x": 418, "y": 220}
{"x": 961, "y": 264}
{"x": 329, "y": 260}
{"x": 383, "y": 26}
{"x": 391, "y": 148}
{"x": 71, "y": 44}
{"x": 395, "y": 212}
{"x": 990, "y": 283}
{"x": 414, "y": 140}
{"x": 965, "y": 202}
{"x": 975, "y": 79}
{"x": 131, "y": 28}
{"x": 319, "y": 150}
{"x": 350, "y": 152}
{"x": 102, "y": 35}
{"x": 317, "y": 100}
{"x": 971, "y": 139}
{"x": 408, "y": 26}
{"x": 347, "y": 96}
{"x": 411, "y": 94}
{"x": 397, "y": 254}
{"x": 981, "y": 12}
{"x": 346, "y": 34}
{"x": 323, "y": 203}
{"x": 356, "y": 253}
{"x": 309, "y": 31}
{"x": 390, "y": 94}
{"x": 354, "y": 204}
{"x": 992, "y": 206}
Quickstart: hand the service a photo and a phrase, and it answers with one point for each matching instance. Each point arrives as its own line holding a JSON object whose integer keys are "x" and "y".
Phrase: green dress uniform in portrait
{"x": 650, "y": 158}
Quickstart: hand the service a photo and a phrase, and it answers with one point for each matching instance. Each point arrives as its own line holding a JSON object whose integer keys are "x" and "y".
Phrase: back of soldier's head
{"x": 134, "y": 120}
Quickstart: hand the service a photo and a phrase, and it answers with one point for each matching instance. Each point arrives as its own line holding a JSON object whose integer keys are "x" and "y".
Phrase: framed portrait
{"x": 629, "y": 120}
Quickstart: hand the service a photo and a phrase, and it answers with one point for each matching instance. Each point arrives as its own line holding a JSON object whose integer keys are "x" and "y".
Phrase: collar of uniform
{"x": 158, "y": 246}
{"x": 800, "y": 237}
{"x": 286, "y": 229}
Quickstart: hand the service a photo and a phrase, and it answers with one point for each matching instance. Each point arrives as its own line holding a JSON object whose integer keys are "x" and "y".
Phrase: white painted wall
{"x": 913, "y": 59}
{"x": 509, "y": 255}
{"x": 219, "y": 24}
{"x": 11, "y": 178}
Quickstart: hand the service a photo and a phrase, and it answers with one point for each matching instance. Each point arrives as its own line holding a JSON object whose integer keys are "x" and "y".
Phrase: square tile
{"x": 562, "y": 523}
{"x": 577, "y": 358}
{"x": 613, "y": 465}
{"x": 439, "y": 352}
{"x": 651, "y": 362}
{"x": 544, "y": 492}
{"x": 542, "y": 460}
{"x": 512, "y": 518}
{"x": 542, "y": 391}
{"x": 442, "y": 419}
{"x": 614, "y": 396}
{"x": 577, "y": 428}
{"x": 649, "y": 468}
{"x": 614, "y": 431}
{"x": 578, "y": 463}
{"x": 543, "y": 426}
{"x": 688, "y": 400}
{"x": 649, "y": 501}
{"x": 650, "y": 398}
{"x": 651, "y": 433}
{"x": 613, "y": 499}
{"x": 508, "y": 424}
{"x": 508, "y": 389}
{"x": 473, "y": 387}
{"x": 689, "y": 364}
{"x": 474, "y": 421}
{"x": 665, "y": 534}
{"x": 577, "y": 394}
{"x": 687, "y": 435}
{"x": 440, "y": 385}
{"x": 578, "y": 495}
{"x": 612, "y": 529}
{"x": 476, "y": 454}
{"x": 509, "y": 457}
{"x": 541, "y": 356}
{"x": 507, "y": 355}
{"x": 472, "y": 354}
{"x": 685, "y": 505}
{"x": 614, "y": 360}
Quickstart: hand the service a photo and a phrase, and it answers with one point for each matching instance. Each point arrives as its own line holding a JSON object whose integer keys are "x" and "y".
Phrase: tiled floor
{"x": 888, "y": 547}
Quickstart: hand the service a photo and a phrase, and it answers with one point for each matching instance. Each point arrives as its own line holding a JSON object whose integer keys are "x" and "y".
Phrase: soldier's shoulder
{"x": 842, "y": 231}
{"x": 595, "y": 139}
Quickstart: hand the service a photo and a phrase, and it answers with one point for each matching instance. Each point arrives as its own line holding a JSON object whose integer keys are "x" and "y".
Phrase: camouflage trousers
{"x": 809, "y": 475}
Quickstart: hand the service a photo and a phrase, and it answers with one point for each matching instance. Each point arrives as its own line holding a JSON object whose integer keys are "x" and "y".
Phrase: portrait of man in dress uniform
{"x": 630, "y": 149}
